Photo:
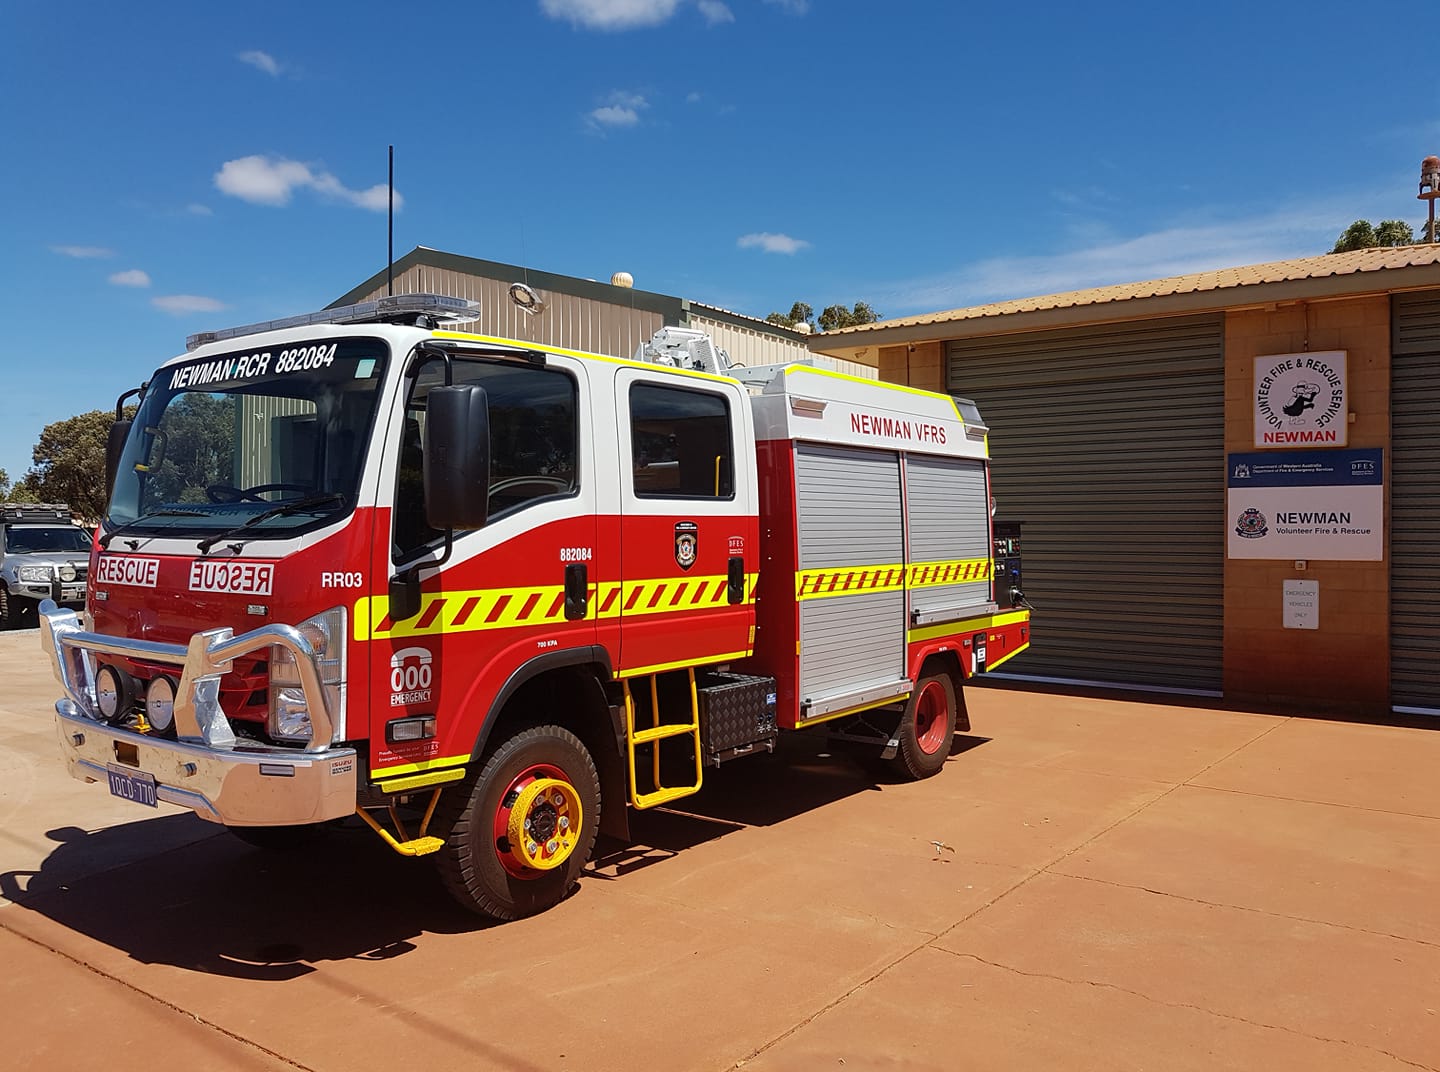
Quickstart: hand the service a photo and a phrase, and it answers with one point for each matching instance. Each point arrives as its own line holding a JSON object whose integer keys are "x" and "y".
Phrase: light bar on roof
{"x": 392, "y": 308}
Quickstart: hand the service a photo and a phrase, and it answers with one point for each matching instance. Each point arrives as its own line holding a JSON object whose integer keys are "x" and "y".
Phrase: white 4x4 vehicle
{"x": 43, "y": 555}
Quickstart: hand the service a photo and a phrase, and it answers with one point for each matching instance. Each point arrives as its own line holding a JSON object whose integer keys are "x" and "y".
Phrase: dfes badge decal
{"x": 687, "y": 543}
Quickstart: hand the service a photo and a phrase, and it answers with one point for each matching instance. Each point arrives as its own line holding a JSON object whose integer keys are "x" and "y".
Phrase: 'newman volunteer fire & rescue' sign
{"x": 1300, "y": 400}
{"x": 1322, "y": 504}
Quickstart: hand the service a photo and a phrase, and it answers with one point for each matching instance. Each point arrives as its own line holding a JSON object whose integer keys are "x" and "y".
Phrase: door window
{"x": 681, "y": 443}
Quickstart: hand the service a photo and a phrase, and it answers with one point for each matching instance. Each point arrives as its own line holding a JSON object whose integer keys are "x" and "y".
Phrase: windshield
{"x": 221, "y": 440}
{"x": 30, "y": 541}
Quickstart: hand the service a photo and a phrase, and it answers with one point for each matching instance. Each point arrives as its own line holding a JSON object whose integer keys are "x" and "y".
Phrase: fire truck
{"x": 487, "y": 596}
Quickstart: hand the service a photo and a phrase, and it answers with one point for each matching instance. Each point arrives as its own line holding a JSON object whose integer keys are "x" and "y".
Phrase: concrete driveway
{"x": 1090, "y": 884}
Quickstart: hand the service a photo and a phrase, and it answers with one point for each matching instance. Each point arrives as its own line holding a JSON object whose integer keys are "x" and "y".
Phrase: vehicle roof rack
{"x": 421, "y": 310}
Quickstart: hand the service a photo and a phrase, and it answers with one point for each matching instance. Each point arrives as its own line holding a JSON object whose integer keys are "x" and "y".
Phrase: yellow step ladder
{"x": 653, "y": 736}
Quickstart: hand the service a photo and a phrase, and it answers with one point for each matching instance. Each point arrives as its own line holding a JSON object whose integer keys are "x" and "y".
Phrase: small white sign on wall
{"x": 1302, "y": 604}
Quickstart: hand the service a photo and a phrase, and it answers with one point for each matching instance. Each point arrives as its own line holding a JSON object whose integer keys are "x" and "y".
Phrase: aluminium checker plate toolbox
{"x": 737, "y": 715}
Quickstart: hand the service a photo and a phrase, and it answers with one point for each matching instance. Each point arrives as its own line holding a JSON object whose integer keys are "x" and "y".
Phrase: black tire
{"x": 927, "y": 728}
{"x": 12, "y": 610}
{"x": 478, "y": 867}
{"x": 280, "y": 838}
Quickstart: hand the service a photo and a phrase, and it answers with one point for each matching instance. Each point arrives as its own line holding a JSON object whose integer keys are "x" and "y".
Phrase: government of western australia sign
{"x": 1327, "y": 505}
{"x": 1300, "y": 400}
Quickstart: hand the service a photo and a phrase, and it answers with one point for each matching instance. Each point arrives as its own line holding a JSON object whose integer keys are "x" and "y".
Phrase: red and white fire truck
{"x": 487, "y": 595}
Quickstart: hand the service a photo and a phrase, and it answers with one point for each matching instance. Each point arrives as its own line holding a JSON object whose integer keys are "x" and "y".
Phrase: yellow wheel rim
{"x": 544, "y": 824}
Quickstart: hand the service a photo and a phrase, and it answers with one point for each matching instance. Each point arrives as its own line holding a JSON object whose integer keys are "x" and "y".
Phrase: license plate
{"x": 132, "y": 785}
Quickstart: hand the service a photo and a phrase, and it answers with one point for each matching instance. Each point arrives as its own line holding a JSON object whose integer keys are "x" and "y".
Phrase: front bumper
{"x": 209, "y": 771}
{"x": 57, "y": 590}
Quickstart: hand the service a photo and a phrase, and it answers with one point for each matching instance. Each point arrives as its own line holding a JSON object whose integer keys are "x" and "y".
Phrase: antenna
{"x": 390, "y": 228}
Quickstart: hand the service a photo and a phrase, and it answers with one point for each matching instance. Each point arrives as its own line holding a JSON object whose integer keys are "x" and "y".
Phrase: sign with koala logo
{"x": 1300, "y": 400}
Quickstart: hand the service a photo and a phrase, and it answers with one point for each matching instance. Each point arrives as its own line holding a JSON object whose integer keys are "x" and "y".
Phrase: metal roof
{"x": 1328, "y": 275}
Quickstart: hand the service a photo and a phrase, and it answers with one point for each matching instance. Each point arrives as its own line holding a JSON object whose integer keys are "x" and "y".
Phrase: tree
{"x": 1361, "y": 235}
{"x": 70, "y": 464}
{"x": 837, "y": 316}
{"x": 800, "y": 313}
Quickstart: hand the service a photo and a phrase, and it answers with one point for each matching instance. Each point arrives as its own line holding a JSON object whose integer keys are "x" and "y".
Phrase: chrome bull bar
{"x": 206, "y": 769}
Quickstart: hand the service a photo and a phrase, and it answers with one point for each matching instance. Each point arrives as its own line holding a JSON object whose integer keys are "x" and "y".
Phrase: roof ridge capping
{"x": 1317, "y": 267}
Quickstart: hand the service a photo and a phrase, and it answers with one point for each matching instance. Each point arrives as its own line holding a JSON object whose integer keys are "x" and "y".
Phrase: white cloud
{"x": 622, "y": 110}
{"x": 185, "y": 304}
{"x": 83, "y": 252}
{"x": 791, "y": 7}
{"x": 197, "y": 209}
{"x": 133, "y": 278}
{"x": 693, "y": 97}
{"x": 772, "y": 243}
{"x": 714, "y": 12}
{"x": 264, "y": 180}
{"x": 261, "y": 61}
{"x": 1181, "y": 250}
{"x": 611, "y": 14}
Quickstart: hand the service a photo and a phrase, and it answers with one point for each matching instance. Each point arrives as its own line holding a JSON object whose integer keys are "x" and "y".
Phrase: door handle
{"x": 577, "y": 591}
{"x": 735, "y": 590}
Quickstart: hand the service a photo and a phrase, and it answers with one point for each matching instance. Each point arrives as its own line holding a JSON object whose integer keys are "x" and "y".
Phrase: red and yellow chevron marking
{"x": 853, "y": 580}
{"x": 508, "y": 608}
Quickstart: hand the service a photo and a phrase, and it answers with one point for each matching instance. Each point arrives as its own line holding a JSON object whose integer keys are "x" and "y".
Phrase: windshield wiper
{"x": 130, "y": 525}
{"x": 309, "y": 502}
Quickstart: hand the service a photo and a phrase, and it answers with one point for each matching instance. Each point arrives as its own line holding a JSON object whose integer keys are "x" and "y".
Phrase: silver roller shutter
{"x": 849, "y": 515}
{"x": 1415, "y": 502}
{"x": 1108, "y": 443}
{"x": 946, "y": 505}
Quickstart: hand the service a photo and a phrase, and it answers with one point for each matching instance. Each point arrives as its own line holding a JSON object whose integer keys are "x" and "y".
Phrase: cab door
{"x": 688, "y": 525}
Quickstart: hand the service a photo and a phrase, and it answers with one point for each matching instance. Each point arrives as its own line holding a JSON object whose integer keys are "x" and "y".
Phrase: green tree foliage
{"x": 800, "y": 313}
{"x": 832, "y": 318}
{"x": 70, "y": 464}
{"x": 1362, "y": 235}
{"x": 835, "y": 317}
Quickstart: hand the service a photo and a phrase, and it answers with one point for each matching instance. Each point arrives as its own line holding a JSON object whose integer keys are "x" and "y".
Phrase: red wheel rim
{"x": 931, "y": 718}
{"x": 500, "y": 827}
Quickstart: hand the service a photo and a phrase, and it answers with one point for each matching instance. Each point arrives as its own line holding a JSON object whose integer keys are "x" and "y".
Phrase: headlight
{"x": 67, "y": 572}
{"x": 36, "y": 574}
{"x": 160, "y": 703}
{"x": 114, "y": 693}
{"x": 289, "y": 713}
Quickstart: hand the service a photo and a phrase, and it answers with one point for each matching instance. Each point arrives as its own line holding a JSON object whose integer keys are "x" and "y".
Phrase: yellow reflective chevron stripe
{"x": 852, "y": 580}
{"x": 508, "y": 608}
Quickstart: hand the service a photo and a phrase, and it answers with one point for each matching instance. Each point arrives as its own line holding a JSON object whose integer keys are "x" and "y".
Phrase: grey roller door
{"x": 1108, "y": 443}
{"x": 1415, "y": 502}
{"x": 849, "y": 516}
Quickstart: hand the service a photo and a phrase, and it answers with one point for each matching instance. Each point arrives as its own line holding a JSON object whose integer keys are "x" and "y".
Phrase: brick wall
{"x": 1345, "y": 663}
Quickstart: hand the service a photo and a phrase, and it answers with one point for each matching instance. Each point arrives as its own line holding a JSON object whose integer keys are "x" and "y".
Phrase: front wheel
{"x": 518, "y": 833}
{"x": 926, "y": 728}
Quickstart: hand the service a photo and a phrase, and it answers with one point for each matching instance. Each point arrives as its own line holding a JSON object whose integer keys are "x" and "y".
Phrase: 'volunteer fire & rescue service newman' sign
{"x": 1300, "y": 400}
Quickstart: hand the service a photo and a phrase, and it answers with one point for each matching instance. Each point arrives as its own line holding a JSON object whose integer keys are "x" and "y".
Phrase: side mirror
{"x": 114, "y": 447}
{"x": 457, "y": 457}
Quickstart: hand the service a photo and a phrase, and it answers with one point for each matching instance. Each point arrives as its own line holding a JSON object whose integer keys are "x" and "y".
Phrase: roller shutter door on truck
{"x": 1108, "y": 443}
{"x": 849, "y": 518}
{"x": 947, "y": 509}
{"x": 1415, "y": 503}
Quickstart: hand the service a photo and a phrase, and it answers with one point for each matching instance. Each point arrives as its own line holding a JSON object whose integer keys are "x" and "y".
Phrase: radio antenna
{"x": 390, "y": 230}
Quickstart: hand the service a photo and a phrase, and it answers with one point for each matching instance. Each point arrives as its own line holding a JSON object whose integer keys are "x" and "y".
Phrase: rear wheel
{"x": 926, "y": 728}
{"x": 518, "y": 833}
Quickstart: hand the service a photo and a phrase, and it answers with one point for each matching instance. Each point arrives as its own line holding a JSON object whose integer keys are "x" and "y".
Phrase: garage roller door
{"x": 1108, "y": 443}
{"x": 1415, "y": 503}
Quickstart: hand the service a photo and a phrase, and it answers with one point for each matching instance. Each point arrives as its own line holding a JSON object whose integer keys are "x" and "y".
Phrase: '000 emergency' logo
{"x": 411, "y": 672}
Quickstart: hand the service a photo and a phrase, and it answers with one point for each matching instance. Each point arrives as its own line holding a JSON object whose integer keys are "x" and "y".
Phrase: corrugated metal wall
{"x": 849, "y": 515}
{"x": 569, "y": 322}
{"x": 751, "y": 348}
{"x": 1415, "y": 502}
{"x": 1108, "y": 443}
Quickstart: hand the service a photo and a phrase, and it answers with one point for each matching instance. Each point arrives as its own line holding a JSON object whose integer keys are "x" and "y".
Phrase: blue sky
{"x": 175, "y": 166}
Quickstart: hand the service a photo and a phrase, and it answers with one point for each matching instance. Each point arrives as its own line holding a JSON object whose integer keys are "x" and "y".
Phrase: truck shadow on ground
{"x": 174, "y": 890}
